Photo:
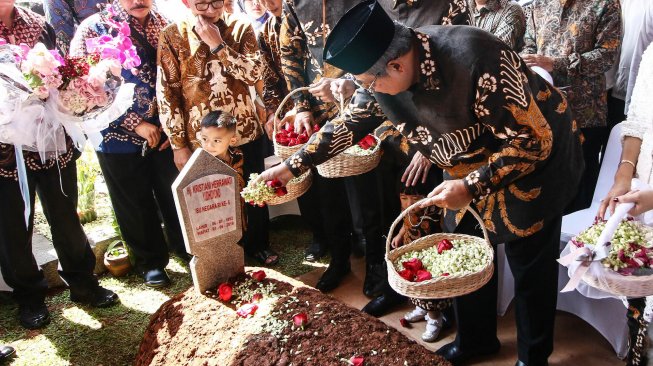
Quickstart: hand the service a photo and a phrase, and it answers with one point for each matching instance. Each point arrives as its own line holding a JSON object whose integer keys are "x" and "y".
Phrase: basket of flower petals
{"x": 622, "y": 266}
{"x": 357, "y": 159}
{"x": 439, "y": 265}
{"x": 272, "y": 192}
{"x": 285, "y": 140}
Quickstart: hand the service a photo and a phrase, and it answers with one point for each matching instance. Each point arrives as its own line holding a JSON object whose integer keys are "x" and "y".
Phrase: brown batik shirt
{"x": 191, "y": 82}
{"x": 481, "y": 115}
{"x": 583, "y": 37}
{"x": 274, "y": 83}
{"x": 30, "y": 28}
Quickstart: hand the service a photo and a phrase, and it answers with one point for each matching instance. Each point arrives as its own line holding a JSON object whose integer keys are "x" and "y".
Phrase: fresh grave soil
{"x": 196, "y": 329}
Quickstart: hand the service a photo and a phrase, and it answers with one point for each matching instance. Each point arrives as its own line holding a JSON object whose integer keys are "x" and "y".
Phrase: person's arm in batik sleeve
{"x": 271, "y": 93}
{"x": 505, "y": 105}
{"x": 457, "y": 13}
{"x": 338, "y": 134}
{"x": 61, "y": 16}
{"x": 606, "y": 47}
{"x": 243, "y": 63}
{"x": 530, "y": 45}
{"x": 169, "y": 93}
{"x": 293, "y": 49}
{"x": 512, "y": 26}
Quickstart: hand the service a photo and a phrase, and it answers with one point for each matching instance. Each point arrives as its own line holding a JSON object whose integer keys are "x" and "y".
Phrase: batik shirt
{"x": 66, "y": 15}
{"x": 120, "y": 136}
{"x": 583, "y": 37}
{"x": 191, "y": 82}
{"x": 481, "y": 115}
{"x": 503, "y": 18}
{"x": 30, "y": 28}
{"x": 274, "y": 83}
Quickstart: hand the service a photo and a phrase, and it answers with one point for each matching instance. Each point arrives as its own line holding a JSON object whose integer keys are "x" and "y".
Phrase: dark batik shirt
{"x": 120, "y": 136}
{"x": 479, "y": 113}
{"x": 503, "y": 18}
{"x": 274, "y": 83}
{"x": 30, "y": 28}
{"x": 66, "y": 15}
{"x": 583, "y": 37}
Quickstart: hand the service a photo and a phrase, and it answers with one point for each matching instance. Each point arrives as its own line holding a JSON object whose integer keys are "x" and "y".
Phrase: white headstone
{"x": 207, "y": 196}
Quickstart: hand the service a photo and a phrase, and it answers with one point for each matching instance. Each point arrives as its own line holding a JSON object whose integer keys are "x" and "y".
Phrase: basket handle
{"x": 388, "y": 241}
{"x": 283, "y": 102}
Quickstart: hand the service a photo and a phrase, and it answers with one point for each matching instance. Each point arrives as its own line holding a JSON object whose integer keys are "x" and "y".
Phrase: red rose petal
{"x": 257, "y": 297}
{"x": 225, "y": 291}
{"x": 316, "y": 127}
{"x": 300, "y": 320}
{"x": 281, "y": 191}
{"x": 423, "y": 275}
{"x": 413, "y": 264}
{"x": 247, "y": 310}
{"x": 404, "y": 323}
{"x": 445, "y": 274}
{"x": 407, "y": 275}
{"x": 357, "y": 360}
{"x": 259, "y": 275}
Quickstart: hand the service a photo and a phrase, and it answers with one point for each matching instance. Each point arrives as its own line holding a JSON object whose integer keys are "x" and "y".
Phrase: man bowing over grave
{"x": 504, "y": 137}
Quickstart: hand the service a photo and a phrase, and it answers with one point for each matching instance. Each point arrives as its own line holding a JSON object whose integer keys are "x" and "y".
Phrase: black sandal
{"x": 266, "y": 257}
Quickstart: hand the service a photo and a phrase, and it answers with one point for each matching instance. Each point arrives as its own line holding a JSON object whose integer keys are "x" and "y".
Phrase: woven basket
{"x": 438, "y": 287}
{"x": 616, "y": 284}
{"x": 346, "y": 165}
{"x": 284, "y": 152}
{"x": 295, "y": 189}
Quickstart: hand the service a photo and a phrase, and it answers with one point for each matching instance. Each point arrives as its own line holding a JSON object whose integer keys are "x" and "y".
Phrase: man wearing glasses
{"x": 504, "y": 137}
{"x": 207, "y": 62}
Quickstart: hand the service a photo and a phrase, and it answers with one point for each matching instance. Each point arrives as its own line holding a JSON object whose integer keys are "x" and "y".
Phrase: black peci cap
{"x": 359, "y": 38}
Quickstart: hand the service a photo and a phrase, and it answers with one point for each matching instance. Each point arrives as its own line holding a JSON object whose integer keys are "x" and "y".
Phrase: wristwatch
{"x": 217, "y": 48}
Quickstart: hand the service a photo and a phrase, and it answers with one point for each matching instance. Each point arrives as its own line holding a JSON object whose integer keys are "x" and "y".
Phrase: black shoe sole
{"x": 158, "y": 285}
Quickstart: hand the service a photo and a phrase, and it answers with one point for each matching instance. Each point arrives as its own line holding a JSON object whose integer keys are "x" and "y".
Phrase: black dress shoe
{"x": 156, "y": 278}
{"x": 34, "y": 316}
{"x": 98, "y": 297}
{"x": 332, "y": 277}
{"x": 382, "y": 304}
{"x": 6, "y": 352}
{"x": 452, "y": 353}
{"x": 314, "y": 252}
{"x": 375, "y": 278}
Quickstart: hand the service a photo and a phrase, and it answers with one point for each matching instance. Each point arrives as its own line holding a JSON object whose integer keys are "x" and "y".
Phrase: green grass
{"x": 86, "y": 336}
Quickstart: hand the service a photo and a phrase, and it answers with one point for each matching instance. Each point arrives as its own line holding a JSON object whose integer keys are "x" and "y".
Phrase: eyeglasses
{"x": 369, "y": 87}
{"x": 215, "y": 4}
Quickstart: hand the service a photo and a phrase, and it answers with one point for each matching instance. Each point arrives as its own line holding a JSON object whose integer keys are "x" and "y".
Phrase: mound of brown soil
{"x": 193, "y": 329}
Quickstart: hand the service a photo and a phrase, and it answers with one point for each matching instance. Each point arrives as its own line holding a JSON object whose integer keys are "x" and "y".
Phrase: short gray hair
{"x": 401, "y": 43}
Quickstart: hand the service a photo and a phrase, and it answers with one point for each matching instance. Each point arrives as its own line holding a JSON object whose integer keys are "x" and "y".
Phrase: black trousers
{"x": 364, "y": 191}
{"x": 533, "y": 264}
{"x": 595, "y": 141}
{"x": 17, "y": 263}
{"x": 257, "y": 235}
{"x": 140, "y": 187}
{"x": 310, "y": 208}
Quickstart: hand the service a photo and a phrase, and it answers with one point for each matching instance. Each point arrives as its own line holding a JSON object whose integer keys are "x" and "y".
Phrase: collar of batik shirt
{"x": 429, "y": 74}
